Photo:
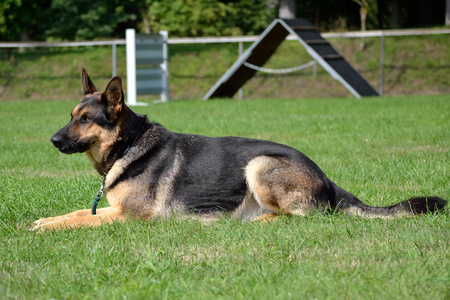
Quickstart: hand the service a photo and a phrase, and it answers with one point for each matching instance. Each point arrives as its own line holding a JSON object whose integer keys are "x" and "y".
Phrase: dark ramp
{"x": 263, "y": 48}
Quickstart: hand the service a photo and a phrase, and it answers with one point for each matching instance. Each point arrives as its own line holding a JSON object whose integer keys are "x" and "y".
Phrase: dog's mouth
{"x": 68, "y": 146}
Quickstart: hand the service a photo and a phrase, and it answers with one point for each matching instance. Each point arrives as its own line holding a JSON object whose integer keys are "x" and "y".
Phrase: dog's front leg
{"x": 80, "y": 218}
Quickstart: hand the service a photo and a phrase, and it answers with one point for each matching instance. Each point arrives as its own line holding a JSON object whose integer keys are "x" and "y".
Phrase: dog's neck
{"x": 129, "y": 128}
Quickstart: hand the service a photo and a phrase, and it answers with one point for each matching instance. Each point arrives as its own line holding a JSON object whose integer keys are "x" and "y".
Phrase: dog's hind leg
{"x": 79, "y": 218}
{"x": 285, "y": 186}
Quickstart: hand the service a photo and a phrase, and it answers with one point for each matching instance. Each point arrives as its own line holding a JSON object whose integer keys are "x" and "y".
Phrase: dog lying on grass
{"x": 151, "y": 172}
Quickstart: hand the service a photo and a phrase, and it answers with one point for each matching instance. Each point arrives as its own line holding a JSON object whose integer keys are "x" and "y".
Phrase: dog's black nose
{"x": 56, "y": 140}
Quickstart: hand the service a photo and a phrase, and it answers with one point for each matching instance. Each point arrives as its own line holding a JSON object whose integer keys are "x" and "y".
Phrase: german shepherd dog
{"x": 150, "y": 172}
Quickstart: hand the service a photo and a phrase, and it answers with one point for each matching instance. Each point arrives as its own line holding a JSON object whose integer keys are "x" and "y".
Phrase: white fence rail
{"x": 231, "y": 39}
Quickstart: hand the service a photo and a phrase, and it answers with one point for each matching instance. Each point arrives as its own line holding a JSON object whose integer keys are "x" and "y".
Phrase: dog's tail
{"x": 349, "y": 204}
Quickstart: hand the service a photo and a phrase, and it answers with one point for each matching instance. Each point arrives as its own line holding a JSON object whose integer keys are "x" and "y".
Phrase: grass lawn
{"x": 384, "y": 150}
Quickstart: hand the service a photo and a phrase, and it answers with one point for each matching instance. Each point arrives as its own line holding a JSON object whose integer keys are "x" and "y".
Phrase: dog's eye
{"x": 85, "y": 119}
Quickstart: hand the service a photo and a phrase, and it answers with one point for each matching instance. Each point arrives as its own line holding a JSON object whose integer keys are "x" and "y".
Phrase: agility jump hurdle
{"x": 147, "y": 65}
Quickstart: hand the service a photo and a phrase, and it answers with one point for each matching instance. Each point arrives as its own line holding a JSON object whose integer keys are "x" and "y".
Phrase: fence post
{"x": 315, "y": 69}
{"x": 382, "y": 65}
{"x": 241, "y": 50}
{"x": 114, "y": 60}
{"x": 130, "y": 36}
{"x": 165, "y": 67}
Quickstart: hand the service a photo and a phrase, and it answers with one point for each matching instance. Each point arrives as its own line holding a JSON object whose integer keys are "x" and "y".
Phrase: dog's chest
{"x": 142, "y": 193}
{"x": 115, "y": 190}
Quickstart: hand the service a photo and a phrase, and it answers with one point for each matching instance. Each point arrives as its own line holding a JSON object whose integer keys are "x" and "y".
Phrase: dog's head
{"x": 93, "y": 123}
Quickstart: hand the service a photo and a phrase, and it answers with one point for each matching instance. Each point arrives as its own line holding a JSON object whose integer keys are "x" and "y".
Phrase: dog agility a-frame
{"x": 316, "y": 46}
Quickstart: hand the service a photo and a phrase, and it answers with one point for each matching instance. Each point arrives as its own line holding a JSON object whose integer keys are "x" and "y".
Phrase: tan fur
{"x": 80, "y": 218}
{"x": 117, "y": 195}
{"x": 125, "y": 196}
{"x": 356, "y": 211}
{"x": 165, "y": 187}
{"x": 103, "y": 141}
{"x": 115, "y": 172}
{"x": 250, "y": 208}
{"x": 266, "y": 218}
{"x": 282, "y": 186}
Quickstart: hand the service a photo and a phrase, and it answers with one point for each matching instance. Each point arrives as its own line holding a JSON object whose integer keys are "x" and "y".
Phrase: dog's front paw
{"x": 38, "y": 225}
{"x": 42, "y": 224}
{"x": 39, "y": 222}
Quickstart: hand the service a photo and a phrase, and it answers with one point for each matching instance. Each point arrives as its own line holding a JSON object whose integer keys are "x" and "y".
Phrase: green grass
{"x": 382, "y": 149}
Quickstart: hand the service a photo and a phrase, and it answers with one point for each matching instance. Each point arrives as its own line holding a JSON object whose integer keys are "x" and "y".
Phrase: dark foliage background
{"x": 46, "y": 20}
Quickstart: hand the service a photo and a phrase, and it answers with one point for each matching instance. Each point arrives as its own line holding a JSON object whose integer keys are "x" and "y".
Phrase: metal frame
{"x": 243, "y": 58}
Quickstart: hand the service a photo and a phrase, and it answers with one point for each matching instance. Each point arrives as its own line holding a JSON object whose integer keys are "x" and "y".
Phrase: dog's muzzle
{"x": 64, "y": 145}
{"x": 57, "y": 141}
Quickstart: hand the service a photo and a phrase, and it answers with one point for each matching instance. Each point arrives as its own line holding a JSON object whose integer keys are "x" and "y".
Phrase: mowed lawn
{"x": 384, "y": 150}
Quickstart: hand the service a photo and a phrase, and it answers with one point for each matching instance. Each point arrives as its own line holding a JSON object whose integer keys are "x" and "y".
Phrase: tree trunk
{"x": 23, "y": 38}
{"x": 144, "y": 14}
{"x": 363, "y": 13}
{"x": 363, "y": 8}
{"x": 447, "y": 13}
{"x": 396, "y": 14}
{"x": 317, "y": 15}
{"x": 287, "y": 9}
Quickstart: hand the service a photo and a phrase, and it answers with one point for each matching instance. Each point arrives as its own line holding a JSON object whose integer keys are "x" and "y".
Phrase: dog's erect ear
{"x": 114, "y": 95}
{"x": 86, "y": 83}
